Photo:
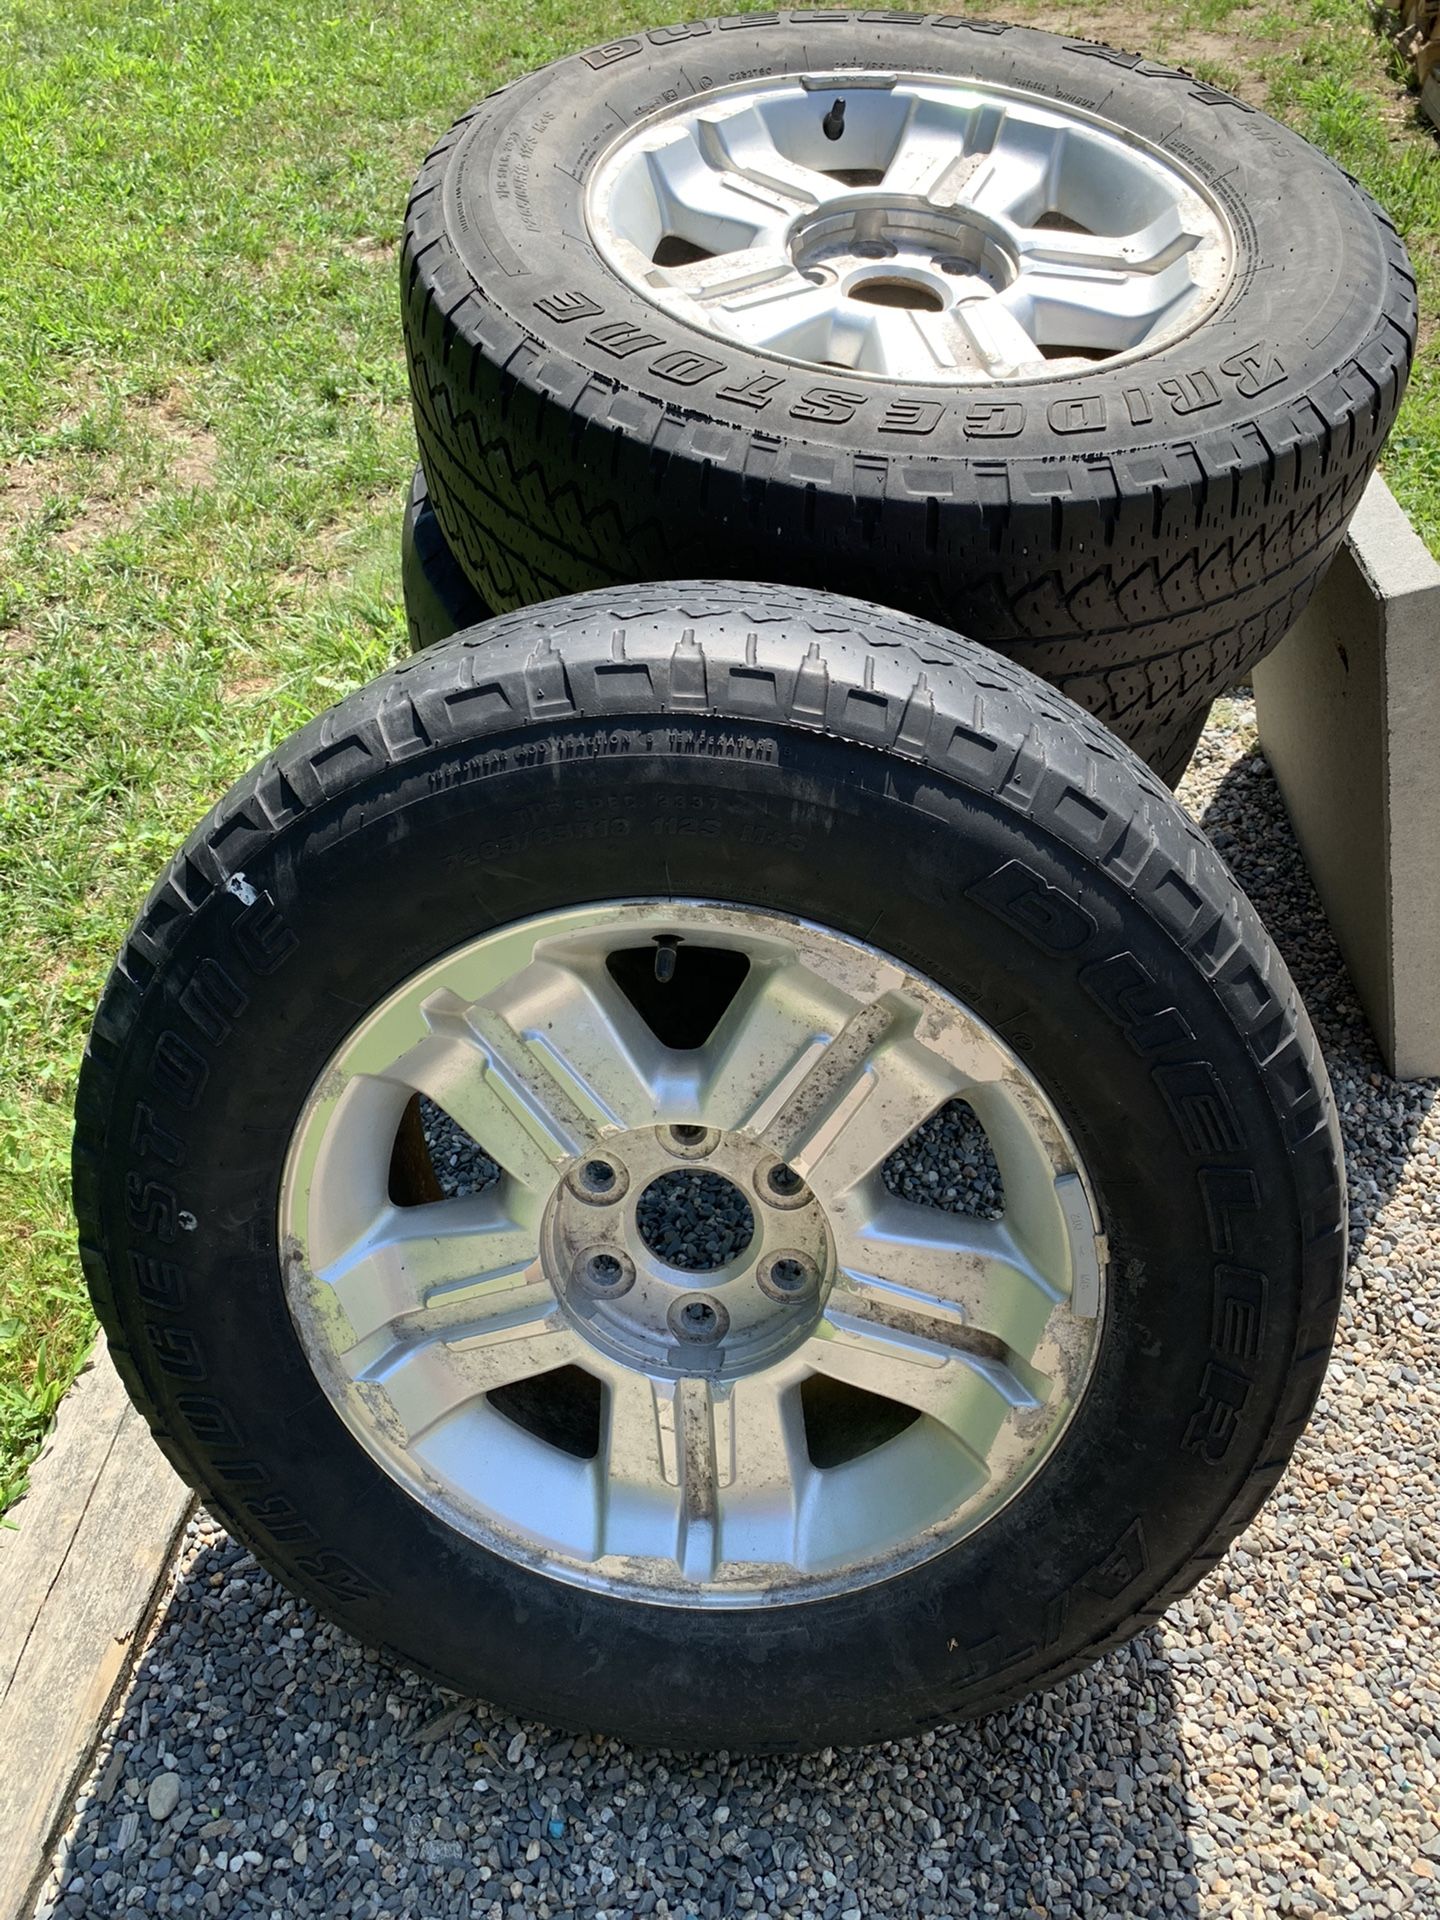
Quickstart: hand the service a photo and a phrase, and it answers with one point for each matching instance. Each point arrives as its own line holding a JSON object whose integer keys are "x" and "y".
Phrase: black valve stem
{"x": 665, "y": 945}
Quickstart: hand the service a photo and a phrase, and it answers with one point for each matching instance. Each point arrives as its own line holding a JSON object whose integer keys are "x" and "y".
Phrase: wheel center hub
{"x": 694, "y": 1219}
{"x": 683, "y": 1250}
{"x": 907, "y": 253}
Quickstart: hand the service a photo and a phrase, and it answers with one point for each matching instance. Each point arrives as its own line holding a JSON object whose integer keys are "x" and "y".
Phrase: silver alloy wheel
{"x": 910, "y": 227}
{"x": 700, "y": 1487}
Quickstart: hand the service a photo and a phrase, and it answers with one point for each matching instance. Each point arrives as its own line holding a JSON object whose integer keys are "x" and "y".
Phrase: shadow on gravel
{"x": 314, "y": 1777}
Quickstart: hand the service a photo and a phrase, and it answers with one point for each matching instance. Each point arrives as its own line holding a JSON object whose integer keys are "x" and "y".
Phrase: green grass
{"x": 204, "y": 439}
{"x": 1336, "y": 87}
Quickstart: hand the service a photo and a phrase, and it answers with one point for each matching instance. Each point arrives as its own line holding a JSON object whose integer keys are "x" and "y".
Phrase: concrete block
{"x": 1348, "y": 707}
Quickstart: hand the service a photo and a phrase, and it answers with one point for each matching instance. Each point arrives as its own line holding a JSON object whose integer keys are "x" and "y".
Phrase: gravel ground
{"x": 1272, "y": 1746}
{"x": 948, "y": 1163}
{"x": 695, "y": 1221}
{"x": 460, "y": 1166}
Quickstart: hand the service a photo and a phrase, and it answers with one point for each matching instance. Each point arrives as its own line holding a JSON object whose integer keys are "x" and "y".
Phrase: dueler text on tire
{"x": 1048, "y": 342}
{"x": 717, "y": 1164}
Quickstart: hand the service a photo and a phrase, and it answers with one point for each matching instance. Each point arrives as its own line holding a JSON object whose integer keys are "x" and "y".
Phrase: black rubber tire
{"x": 439, "y": 602}
{"x": 790, "y": 751}
{"x": 1139, "y": 536}
{"x": 439, "y": 599}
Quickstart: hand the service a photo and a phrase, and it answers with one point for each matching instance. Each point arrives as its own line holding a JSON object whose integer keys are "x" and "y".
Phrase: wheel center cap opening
{"x": 896, "y": 290}
{"x": 891, "y": 252}
{"x": 695, "y": 1219}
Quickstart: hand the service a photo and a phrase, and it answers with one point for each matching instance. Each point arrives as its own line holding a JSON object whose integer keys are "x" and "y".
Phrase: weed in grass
{"x": 1218, "y": 73}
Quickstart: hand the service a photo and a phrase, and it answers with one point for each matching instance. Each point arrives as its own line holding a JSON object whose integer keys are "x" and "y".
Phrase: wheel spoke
{"x": 703, "y": 1473}
{"x": 785, "y": 314}
{"x": 1148, "y": 250}
{"x": 711, "y": 208}
{"x": 1047, "y": 1215}
{"x": 659, "y": 1475}
{"x": 762, "y": 1467}
{"x": 415, "y": 1259}
{"x": 936, "y": 161}
{"x": 772, "y": 1033}
{"x": 741, "y": 143}
{"x": 1013, "y": 180}
{"x": 995, "y": 335}
{"x": 868, "y": 1091}
{"x": 1083, "y": 307}
{"x": 1081, "y": 254}
{"x": 1100, "y": 292}
{"x": 908, "y": 1260}
{"x": 892, "y": 340}
{"x": 476, "y": 1070}
{"x": 966, "y": 1382}
{"x": 507, "y": 1328}
{"x": 584, "y": 1041}
{"x": 721, "y": 279}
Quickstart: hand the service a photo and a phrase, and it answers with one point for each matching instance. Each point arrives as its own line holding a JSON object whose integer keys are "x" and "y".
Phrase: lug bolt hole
{"x": 598, "y": 1182}
{"x": 699, "y": 1319}
{"x": 687, "y": 1136}
{"x": 787, "y": 1277}
{"x": 603, "y": 1275}
{"x": 780, "y": 1185}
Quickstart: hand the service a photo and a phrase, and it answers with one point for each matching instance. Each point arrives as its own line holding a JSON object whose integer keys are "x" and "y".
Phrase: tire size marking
{"x": 581, "y": 821}
{"x": 512, "y": 174}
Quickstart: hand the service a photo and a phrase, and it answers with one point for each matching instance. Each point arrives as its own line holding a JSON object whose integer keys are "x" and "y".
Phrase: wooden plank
{"x": 1430, "y": 96}
{"x": 78, "y": 1580}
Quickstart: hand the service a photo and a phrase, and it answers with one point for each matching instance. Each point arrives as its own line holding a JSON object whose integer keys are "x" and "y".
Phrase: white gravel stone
{"x": 1272, "y": 1747}
{"x": 164, "y": 1795}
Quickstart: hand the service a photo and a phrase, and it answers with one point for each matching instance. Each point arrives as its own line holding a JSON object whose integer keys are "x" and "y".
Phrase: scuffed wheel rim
{"x": 660, "y": 1448}
{"x": 925, "y": 230}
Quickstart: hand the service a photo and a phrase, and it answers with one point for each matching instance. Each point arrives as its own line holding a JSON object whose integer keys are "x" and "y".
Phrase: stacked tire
{"x": 1137, "y": 525}
{"x": 710, "y": 1158}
